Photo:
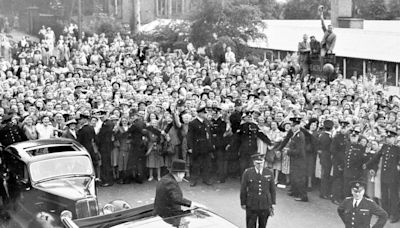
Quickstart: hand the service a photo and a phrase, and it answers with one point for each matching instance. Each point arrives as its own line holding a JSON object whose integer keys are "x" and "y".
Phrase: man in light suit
{"x": 257, "y": 193}
{"x": 329, "y": 39}
{"x": 304, "y": 55}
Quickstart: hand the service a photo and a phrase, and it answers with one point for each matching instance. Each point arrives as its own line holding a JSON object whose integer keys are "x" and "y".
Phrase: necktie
{"x": 355, "y": 204}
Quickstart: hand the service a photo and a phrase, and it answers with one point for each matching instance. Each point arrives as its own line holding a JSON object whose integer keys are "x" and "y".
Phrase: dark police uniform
{"x": 258, "y": 194}
{"x": 338, "y": 147}
{"x": 199, "y": 141}
{"x": 218, "y": 128}
{"x": 86, "y": 136}
{"x": 354, "y": 159}
{"x": 390, "y": 177}
{"x": 358, "y": 214}
{"x": 136, "y": 162}
{"x": 248, "y": 134}
{"x": 10, "y": 134}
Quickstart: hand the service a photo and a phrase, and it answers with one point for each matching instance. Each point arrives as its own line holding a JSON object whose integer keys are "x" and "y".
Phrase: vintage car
{"x": 48, "y": 177}
{"x": 142, "y": 217}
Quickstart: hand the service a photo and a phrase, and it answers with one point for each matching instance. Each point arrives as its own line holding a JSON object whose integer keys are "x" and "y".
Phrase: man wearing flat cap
{"x": 169, "y": 197}
{"x": 257, "y": 193}
{"x": 356, "y": 211}
{"x": 324, "y": 151}
{"x": 388, "y": 158}
{"x": 338, "y": 147}
{"x": 200, "y": 146}
{"x": 354, "y": 159}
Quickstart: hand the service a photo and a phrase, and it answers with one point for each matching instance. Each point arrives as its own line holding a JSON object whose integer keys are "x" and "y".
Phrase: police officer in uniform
{"x": 298, "y": 170}
{"x": 200, "y": 146}
{"x": 86, "y": 136}
{"x": 257, "y": 193}
{"x": 356, "y": 211}
{"x": 248, "y": 133}
{"x": 338, "y": 147}
{"x": 218, "y": 128}
{"x": 11, "y": 132}
{"x": 354, "y": 159}
{"x": 388, "y": 158}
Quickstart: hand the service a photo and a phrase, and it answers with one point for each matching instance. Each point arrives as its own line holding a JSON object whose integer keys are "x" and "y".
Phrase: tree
{"x": 372, "y": 9}
{"x": 270, "y": 9}
{"x": 305, "y": 9}
{"x": 216, "y": 18}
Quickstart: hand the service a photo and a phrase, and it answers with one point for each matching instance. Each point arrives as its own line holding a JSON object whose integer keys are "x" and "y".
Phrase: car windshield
{"x": 62, "y": 166}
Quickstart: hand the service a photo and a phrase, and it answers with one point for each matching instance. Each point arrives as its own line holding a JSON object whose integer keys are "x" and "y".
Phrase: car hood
{"x": 71, "y": 188}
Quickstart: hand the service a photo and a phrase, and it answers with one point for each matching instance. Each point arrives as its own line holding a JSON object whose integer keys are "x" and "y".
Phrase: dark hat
{"x": 246, "y": 114}
{"x": 252, "y": 95}
{"x": 142, "y": 102}
{"x": 355, "y": 131}
{"x": 217, "y": 109}
{"x": 344, "y": 123}
{"x": 201, "y": 109}
{"x": 178, "y": 165}
{"x": 262, "y": 92}
{"x": 204, "y": 93}
{"x": 83, "y": 116}
{"x": 295, "y": 120}
{"x": 6, "y": 119}
{"x": 328, "y": 124}
{"x": 180, "y": 103}
{"x": 238, "y": 103}
{"x": 78, "y": 86}
{"x": 358, "y": 185}
{"x": 390, "y": 133}
{"x": 119, "y": 85}
{"x": 258, "y": 157}
{"x": 73, "y": 121}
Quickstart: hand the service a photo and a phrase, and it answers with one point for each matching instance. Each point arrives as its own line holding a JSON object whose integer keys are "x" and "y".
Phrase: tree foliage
{"x": 372, "y": 9}
{"x": 216, "y": 18}
{"x": 305, "y": 9}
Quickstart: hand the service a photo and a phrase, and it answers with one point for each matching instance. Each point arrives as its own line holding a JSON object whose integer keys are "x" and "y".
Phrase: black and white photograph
{"x": 199, "y": 113}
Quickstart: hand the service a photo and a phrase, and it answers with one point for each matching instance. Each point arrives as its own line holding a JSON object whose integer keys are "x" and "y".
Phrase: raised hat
{"x": 178, "y": 165}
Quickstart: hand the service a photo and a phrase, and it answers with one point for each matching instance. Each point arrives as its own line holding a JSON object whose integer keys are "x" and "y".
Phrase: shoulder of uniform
{"x": 248, "y": 169}
{"x": 348, "y": 198}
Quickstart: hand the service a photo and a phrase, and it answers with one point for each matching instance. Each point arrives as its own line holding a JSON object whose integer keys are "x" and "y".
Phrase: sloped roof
{"x": 379, "y": 40}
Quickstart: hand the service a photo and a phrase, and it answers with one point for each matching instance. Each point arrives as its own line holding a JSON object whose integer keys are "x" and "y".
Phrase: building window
{"x": 377, "y": 68}
{"x": 391, "y": 74}
{"x": 339, "y": 63}
{"x": 354, "y": 67}
{"x": 162, "y": 7}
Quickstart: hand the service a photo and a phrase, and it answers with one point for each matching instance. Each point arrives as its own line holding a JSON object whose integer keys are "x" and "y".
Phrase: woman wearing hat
{"x": 70, "y": 131}
{"x": 29, "y": 128}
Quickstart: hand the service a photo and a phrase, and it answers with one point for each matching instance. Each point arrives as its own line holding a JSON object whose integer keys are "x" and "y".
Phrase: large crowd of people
{"x": 136, "y": 108}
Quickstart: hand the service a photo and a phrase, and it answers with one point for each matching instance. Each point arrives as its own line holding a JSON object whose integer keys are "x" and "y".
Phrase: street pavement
{"x": 223, "y": 199}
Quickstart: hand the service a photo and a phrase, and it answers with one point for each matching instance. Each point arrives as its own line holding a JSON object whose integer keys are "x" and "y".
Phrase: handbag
{"x": 167, "y": 149}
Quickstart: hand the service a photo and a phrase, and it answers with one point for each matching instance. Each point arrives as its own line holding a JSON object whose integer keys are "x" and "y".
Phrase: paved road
{"x": 224, "y": 200}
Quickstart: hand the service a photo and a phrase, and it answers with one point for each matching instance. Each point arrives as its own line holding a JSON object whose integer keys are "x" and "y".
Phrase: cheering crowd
{"x": 136, "y": 108}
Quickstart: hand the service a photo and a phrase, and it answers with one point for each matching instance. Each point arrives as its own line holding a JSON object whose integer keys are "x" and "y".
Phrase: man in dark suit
{"x": 324, "y": 152}
{"x": 86, "y": 136}
{"x": 338, "y": 147}
{"x": 257, "y": 193}
{"x": 70, "y": 132}
{"x": 389, "y": 157}
{"x": 353, "y": 162}
{"x": 218, "y": 128}
{"x": 137, "y": 132}
{"x": 200, "y": 146}
{"x": 298, "y": 170}
{"x": 357, "y": 211}
{"x": 169, "y": 197}
{"x": 105, "y": 142}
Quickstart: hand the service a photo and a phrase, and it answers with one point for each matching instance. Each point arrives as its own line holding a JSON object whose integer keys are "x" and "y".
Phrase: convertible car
{"x": 142, "y": 217}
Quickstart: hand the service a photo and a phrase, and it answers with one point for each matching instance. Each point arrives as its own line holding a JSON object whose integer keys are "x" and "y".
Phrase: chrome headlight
{"x": 116, "y": 205}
